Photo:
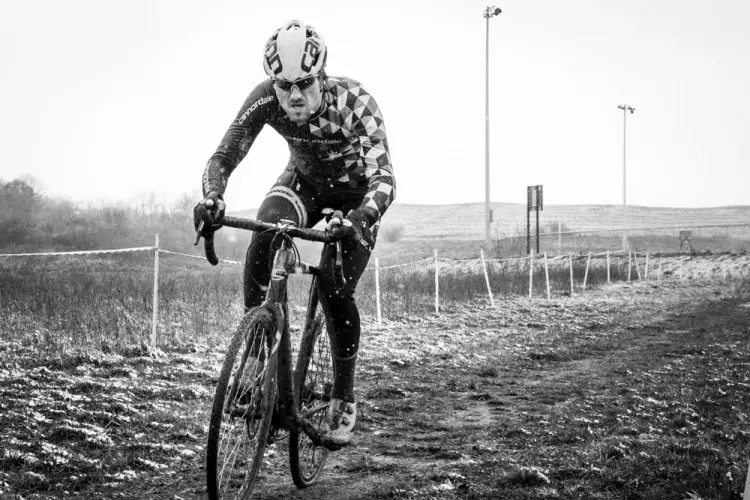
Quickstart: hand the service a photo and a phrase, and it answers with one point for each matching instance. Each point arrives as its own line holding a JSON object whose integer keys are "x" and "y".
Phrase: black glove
{"x": 210, "y": 211}
{"x": 361, "y": 227}
{"x": 334, "y": 219}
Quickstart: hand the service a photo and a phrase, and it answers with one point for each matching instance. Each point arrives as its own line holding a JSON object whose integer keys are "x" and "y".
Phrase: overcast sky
{"x": 106, "y": 99}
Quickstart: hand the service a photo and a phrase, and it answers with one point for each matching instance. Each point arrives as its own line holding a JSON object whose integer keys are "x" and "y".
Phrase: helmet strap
{"x": 322, "y": 79}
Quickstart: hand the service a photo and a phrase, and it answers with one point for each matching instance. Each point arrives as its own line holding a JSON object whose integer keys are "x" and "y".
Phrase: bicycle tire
{"x": 313, "y": 378}
{"x": 241, "y": 415}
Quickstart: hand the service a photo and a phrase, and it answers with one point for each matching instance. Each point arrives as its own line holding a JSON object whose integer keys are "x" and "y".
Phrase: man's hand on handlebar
{"x": 361, "y": 229}
{"x": 209, "y": 212}
{"x": 334, "y": 220}
{"x": 355, "y": 226}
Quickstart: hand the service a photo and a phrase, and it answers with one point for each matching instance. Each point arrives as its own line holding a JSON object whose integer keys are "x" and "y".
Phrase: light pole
{"x": 625, "y": 108}
{"x": 489, "y": 11}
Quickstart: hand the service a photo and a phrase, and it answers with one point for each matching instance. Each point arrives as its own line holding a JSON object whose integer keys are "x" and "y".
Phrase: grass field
{"x": 106, "y": 302}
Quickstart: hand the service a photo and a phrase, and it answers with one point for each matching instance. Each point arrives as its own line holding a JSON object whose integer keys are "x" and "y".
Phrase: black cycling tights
{"x": 293, "y": 199}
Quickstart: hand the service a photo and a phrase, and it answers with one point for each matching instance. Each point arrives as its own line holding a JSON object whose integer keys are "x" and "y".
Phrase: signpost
{"x": 534, "y": 202}
{"x": 685, "y": 244}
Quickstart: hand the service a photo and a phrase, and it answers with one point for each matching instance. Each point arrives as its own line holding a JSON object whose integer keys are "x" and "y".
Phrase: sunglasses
{"x": 301, "y": 84}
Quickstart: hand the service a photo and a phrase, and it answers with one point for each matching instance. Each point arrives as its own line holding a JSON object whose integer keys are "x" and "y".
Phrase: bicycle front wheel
{"x": 313, "y": 380}
{"x": 242, "y": 408}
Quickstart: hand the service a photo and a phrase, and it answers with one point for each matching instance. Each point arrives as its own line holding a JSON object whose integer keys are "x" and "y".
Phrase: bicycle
{"x": 256, "y": 395}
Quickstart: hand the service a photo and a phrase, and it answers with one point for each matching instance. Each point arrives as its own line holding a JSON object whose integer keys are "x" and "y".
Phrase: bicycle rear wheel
{"x": 313, "y": 380}
{"x": 242, "y": 408}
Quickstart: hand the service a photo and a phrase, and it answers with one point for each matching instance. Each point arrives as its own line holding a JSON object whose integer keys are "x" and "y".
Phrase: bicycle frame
{"x": 285, "y": 263}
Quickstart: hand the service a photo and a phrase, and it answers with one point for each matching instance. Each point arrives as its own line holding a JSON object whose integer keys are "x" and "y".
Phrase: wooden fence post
{"x": 377, "y": 290}
{"x": 658, "y": 273}
{"x": 645, "y": 269}
{"x": 608, "y": 280}
{"x": 546, "y": 275}
{"x": 630, "y": 264}
{"x": 155, "y": 317}
{"x": 559, "y": 237}
{"x": 570, "y": 261}
{"x": 586, "y": 274}
{"x": 487, "y": 277}
{"x": 437, "y": 287}
{"x": 635, "y": 261}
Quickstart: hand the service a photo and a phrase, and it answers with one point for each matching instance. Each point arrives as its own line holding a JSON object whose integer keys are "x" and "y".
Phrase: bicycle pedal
{"x": 332, "y": 447}
{"x": 272, "y": 438}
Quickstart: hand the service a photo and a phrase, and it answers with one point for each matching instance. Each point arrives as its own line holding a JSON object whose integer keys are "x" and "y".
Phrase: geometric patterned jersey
{"x": 343, "y": 146}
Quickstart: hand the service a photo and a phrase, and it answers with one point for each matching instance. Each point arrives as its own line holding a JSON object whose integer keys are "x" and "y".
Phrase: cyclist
{"x": 339, "y": 159}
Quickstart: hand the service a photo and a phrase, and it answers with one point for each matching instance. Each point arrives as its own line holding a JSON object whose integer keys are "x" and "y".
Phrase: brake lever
{"x": 202, "y": 224}
{"x": 198, "y": 232}
{"x": 339, "y": 255}
{"x": 338, "y": 266}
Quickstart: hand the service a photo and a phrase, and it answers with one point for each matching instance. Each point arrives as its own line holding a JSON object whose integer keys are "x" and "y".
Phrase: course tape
{"x": 538, "y": 258}
{"x": 233, "y": 262}
{"x": 236, "y": 263}
{"x": 511, "y": 259}
{"x": 405, "y": 264}
{"x": 80, "y": 252}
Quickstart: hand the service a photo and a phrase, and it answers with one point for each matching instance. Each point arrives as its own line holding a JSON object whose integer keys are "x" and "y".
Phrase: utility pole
{"x": 489, "y": 11}
{"x": 625, "y": 108}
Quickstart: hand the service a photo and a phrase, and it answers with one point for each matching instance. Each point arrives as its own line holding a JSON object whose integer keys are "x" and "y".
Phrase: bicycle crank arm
{"x": 309, "y": 429}
{"x": 247, "y": 411}
{"x": 302, "y": 421}
{"x": 312, "y": 411}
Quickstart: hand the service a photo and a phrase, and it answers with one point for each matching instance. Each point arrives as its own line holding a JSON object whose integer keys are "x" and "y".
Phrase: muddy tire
{"x": 313, "y": 380}
{"x": 242, "y": 408}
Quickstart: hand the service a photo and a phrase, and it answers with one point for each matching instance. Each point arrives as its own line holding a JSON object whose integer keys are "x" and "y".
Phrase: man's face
{"x": 300, "y": 105}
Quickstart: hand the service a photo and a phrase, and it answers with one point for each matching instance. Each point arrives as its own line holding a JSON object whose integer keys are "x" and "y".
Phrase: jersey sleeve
{"x": 259, "y": 106}
{"x": 369, "y": 127}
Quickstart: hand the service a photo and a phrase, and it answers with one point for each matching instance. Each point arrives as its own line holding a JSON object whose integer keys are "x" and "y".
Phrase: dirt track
{"x": 496, "y": 401}
{"x": 631, "y": 391}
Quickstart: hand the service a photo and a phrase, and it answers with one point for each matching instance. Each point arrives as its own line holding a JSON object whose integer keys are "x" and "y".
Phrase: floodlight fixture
{"x": 490, "y": 11}
{"x": 625, "y": 108}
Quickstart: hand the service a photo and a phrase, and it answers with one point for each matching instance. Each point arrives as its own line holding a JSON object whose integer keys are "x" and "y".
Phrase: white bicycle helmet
{"x": 294, "y": 51}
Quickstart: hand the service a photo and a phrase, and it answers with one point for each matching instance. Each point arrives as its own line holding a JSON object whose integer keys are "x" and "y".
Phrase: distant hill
{"x": 465, "y": 221}
{"x": 457, "y": 231}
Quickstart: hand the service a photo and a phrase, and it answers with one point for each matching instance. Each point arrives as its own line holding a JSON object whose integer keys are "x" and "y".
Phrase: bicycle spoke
{"x": 306, "y": 457}
{"x": 234, "y": 456}
{"x": 241, "y": 421}
{"x": 241, "y": 415}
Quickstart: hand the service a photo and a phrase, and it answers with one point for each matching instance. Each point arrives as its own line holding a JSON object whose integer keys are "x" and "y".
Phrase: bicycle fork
{"x": 284, "y": 261}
